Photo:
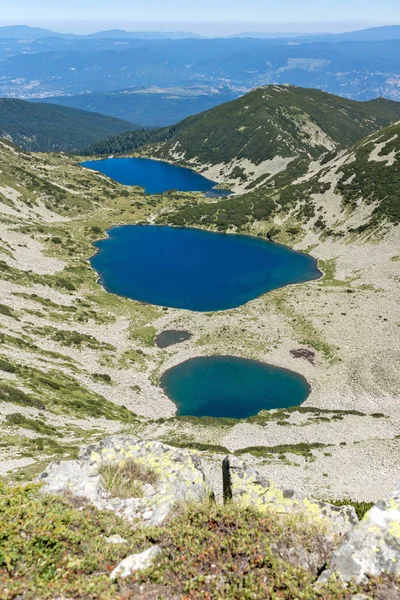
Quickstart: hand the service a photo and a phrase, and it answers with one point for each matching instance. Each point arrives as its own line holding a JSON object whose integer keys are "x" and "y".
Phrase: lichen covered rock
{"x": 179, "y": 477}
{"x": 136, "y": 562}
{"x": 373, "y": 546}
{"x": 245, "y": 485}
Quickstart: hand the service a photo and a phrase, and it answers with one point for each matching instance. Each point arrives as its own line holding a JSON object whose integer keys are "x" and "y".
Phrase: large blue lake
{"x": 195, "y": 269}
{"x": 228, "y": 386}
{"x": 153, "y": 175}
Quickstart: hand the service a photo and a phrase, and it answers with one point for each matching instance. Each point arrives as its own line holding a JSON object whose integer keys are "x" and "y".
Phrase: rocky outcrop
{"x": 245, "y": 485}
{"x": 135, "y": 562}
{"x": 179, "y": 477}
{"x": 373, "y": 546}
{"x": 350, "y": 549}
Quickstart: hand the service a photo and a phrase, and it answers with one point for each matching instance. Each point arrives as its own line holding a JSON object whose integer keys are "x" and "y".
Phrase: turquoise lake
{"x": 228, "y": 386}
{"x": 195, "y": 269}
{"x": 153, "y": 175}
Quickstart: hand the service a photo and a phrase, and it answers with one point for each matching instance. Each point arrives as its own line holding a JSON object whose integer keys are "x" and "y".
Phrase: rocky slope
{"x": 78, "y": 362}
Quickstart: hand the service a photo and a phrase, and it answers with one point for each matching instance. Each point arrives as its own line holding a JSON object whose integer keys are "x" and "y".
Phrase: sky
{"x": 206, "y": 16}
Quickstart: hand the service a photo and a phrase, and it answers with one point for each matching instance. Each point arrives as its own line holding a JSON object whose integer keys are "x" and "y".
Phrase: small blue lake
{"x": 195, "y": 269}
{"x": 228, "y": 386}
{"x": 154, "y": 176}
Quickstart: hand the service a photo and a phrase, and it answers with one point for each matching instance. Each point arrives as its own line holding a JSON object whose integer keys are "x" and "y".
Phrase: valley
{"x": 78, "y": 362}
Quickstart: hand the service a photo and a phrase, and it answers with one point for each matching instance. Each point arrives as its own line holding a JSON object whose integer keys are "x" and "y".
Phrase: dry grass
{"x": 126, "y": 478}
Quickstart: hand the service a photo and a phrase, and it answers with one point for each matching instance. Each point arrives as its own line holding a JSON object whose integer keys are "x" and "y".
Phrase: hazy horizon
{"x": 207, "y": 28}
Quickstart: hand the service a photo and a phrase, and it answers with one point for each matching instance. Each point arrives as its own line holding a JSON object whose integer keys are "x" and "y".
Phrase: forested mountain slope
{"x": 258, "y": 135}
{"x": 357, "y": 190}
{"x": 47, "y": 127}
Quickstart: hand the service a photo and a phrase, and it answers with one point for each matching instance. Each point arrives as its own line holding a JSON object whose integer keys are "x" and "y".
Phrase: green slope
{"x": 272, "y": 121}
{"x": 366, "y": 177}
{"x": 47, "y": 127}
{"x": 373, "y": 174}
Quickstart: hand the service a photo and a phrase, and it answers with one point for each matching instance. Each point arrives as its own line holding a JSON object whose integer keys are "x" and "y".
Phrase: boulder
{"x": 373, "y": 546}
{"x": 136, "y": 562}
{"x": 245, "y": 485}
{"x": 180, "y": 477}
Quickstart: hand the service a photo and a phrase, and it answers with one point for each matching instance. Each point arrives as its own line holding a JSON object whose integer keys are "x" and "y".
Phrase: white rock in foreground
{"x": 135, "y": 562}
{"x": 246, "y": 486}
{"x": 179, "y": 477}
{"x": 373, "y": 546}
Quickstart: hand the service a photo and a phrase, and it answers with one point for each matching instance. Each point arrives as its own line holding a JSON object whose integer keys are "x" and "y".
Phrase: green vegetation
{"x": 73, "y": 338}
{"x": 223, "y": 214}
{"x": 47, "y": 127}
{"x": 37, "y": 425}
{"x": 9, "y": 393}
{"x": 126, "y": 479}
{"x": 58, "y": 392}
{"x": 376, "y": 182}
{"x": 7, "y": 311}
{"x": 240, "y": 128}
{"x": 302, "y": 449}
{"x": 361, "y": 508}
{"x": 130, "y": 141}
{"x": 145, "y": 335}
{"x": 53, "y": 547}
{"x": 6, "y": 366}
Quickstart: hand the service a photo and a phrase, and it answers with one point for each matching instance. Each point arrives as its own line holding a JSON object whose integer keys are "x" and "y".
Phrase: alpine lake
{"x": 197, "y": 270}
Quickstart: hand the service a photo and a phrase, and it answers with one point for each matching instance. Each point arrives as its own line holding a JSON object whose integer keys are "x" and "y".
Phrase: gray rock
{"x": 115, "y": 539}
{"x": 373, "y": 546}
{"x": 180, "y": 477}
{"x": 245, "y": 485}
{"x": 136, "y": 562}
{"x": 77, "y": 477}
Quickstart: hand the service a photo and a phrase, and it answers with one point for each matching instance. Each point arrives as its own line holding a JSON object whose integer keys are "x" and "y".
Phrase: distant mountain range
{"x": 159, "y": 78}
{"x": 358, "y": 70}
{"x": 149, "y": 106}
{"x": 46, "y": 127}
{"x": 25, "y": 32}
{"x": 372, "y": 34}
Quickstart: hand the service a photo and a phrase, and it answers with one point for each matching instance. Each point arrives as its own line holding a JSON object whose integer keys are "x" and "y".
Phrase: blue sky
{"x": 273, "y": 15}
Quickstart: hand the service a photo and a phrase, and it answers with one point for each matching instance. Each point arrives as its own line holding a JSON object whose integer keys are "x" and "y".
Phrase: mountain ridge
{"x": 257, "y": 135}
{"x": 48, "y": 127}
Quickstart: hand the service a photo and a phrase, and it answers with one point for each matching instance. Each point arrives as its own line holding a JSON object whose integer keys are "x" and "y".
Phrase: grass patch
{"x": 6, "y": 366}
{"x": 197, "y": 446}
{"x": 54, "y": 547}
{"x": 10, "y": 393}
{"x": 145, "y": 335}
{"x": 7, "y": 311}
{"x": 33, "y": 424}
{"x": 126, "y": 479}
{"x": 361, "y": 508}
{"x": 266, "y": 451}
